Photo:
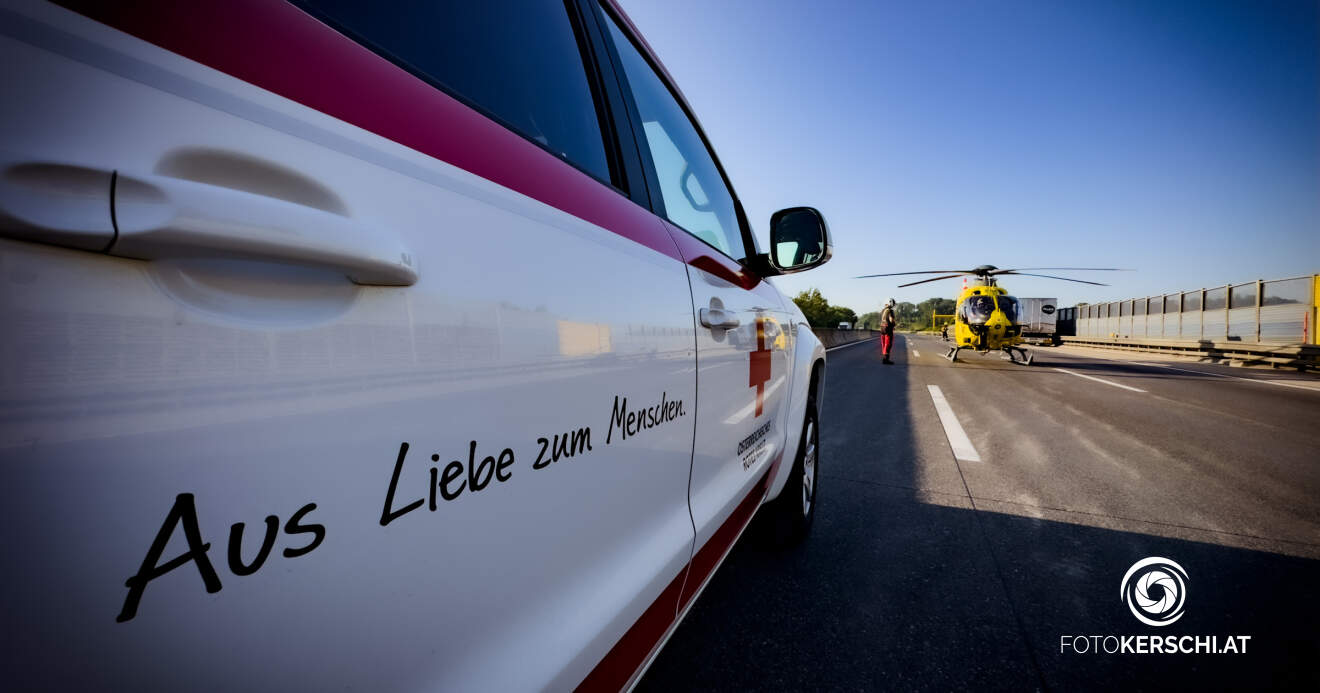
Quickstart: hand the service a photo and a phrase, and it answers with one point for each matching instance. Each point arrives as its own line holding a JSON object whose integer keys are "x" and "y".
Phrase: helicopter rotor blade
{"x": 995, "y": 272}
{"x": 1047, "y": 276}
{"x": 923, "y": 281}
{"x": 1060, "y": 269}
{"x": 896, "y": 274}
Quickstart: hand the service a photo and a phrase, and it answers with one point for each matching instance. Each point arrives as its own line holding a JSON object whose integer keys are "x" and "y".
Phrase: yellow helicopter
{"x": 987, "y": 317}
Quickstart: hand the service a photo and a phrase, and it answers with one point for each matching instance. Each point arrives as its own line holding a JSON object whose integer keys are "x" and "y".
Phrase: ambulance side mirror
{"x": 799, "y": 240}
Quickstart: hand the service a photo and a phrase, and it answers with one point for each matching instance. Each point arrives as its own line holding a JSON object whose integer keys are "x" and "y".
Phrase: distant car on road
{"x": 376, "y": 345}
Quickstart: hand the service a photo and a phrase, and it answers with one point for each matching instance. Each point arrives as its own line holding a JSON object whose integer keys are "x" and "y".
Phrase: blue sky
{"x": 1177, "y": 138}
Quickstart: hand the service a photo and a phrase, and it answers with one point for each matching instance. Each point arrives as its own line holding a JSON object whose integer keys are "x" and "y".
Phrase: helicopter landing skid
{"x": 952, "y": 353}
{"x": 1027, "y": 356}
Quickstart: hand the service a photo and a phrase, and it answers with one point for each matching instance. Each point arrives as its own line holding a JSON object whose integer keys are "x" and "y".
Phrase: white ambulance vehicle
{"x": 397, "y": 345}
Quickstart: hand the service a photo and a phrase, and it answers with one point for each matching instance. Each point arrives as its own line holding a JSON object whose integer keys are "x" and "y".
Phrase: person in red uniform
{"x": 887, "y": 322}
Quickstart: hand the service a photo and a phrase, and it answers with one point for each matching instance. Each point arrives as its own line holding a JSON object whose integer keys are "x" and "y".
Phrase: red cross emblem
{"x": 759, "y": 369}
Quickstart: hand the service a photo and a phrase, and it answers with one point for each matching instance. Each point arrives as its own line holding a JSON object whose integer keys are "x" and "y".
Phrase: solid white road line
{"x": 958, "y": 440}
{"x": 916, "y": 353}
{"x": 1233, "y": 377}
{"x": 1099, "y": 380}
{"x": 860, "y": 341}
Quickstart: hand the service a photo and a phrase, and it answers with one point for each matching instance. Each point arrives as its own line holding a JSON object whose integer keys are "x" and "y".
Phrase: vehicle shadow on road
{"x": 900, "y": 588}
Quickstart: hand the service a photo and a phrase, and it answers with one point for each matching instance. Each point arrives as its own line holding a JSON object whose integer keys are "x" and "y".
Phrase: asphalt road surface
{"x": 927, "y": 571}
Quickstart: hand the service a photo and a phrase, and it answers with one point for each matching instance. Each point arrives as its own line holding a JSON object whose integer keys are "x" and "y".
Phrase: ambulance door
{"x": 742, "y": 336}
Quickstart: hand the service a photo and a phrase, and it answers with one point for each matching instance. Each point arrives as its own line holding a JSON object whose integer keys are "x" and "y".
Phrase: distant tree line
{"x": 820, "y": 313}
{"x": 923, "y": 311}
{"x": 911, "y": 316}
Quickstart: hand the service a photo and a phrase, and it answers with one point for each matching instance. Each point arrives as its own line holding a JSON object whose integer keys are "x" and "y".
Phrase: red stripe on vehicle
{"x": 280, "y": 48}
{"x": 704, "y": 563}
{"x": 631, "y": 652}
{"x": 697, "y": 253}
{"x": 616, "y": 669}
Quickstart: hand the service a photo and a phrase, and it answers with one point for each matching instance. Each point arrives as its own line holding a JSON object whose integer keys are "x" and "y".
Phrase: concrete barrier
{"x": 833, "y": 338}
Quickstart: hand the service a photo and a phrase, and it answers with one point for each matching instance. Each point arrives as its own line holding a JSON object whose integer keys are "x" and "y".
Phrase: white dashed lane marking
{"x": 963, "y": 450}
{"x": 1231, "y": 377}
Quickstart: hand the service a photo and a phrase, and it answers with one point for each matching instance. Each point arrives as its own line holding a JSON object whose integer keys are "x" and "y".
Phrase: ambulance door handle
{"x": 159, "y": 217}
{"x": 718, "y": 318}
{"x": 56, "y": 203}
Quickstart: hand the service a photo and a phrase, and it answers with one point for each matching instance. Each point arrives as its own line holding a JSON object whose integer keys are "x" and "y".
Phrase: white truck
{"x": 1037, "y": 317}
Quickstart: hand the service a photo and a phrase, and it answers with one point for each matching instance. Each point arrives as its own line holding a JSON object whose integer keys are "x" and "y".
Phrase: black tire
{"x": 788, "y": 517}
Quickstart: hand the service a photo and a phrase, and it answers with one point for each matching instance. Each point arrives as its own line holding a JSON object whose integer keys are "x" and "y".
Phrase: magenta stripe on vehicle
{"x": 275, "y": 46}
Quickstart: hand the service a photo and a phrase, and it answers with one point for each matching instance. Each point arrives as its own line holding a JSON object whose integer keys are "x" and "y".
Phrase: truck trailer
{"x": 1037, "y": 317}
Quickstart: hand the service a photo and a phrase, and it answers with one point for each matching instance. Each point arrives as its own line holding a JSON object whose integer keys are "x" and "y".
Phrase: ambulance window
{"x": 695, "y": 195}
{"x": 518, "y": 61}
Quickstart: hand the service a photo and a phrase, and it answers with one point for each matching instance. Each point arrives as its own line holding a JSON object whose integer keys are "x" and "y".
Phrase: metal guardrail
{"x": 1274, "y": 312}
{"x": 1299, "y": 356}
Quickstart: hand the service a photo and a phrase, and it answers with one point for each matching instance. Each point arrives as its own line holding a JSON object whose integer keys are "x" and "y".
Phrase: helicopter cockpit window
{"x": 978, "y": 309}
{"x": 1009, "y": 305}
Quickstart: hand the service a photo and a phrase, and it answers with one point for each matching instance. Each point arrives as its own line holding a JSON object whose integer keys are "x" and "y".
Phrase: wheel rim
{"x": 809, "y": 469}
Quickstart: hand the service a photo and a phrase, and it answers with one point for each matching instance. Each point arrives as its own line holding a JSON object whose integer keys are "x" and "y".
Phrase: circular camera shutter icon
{"x": 1155, "y": 590}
